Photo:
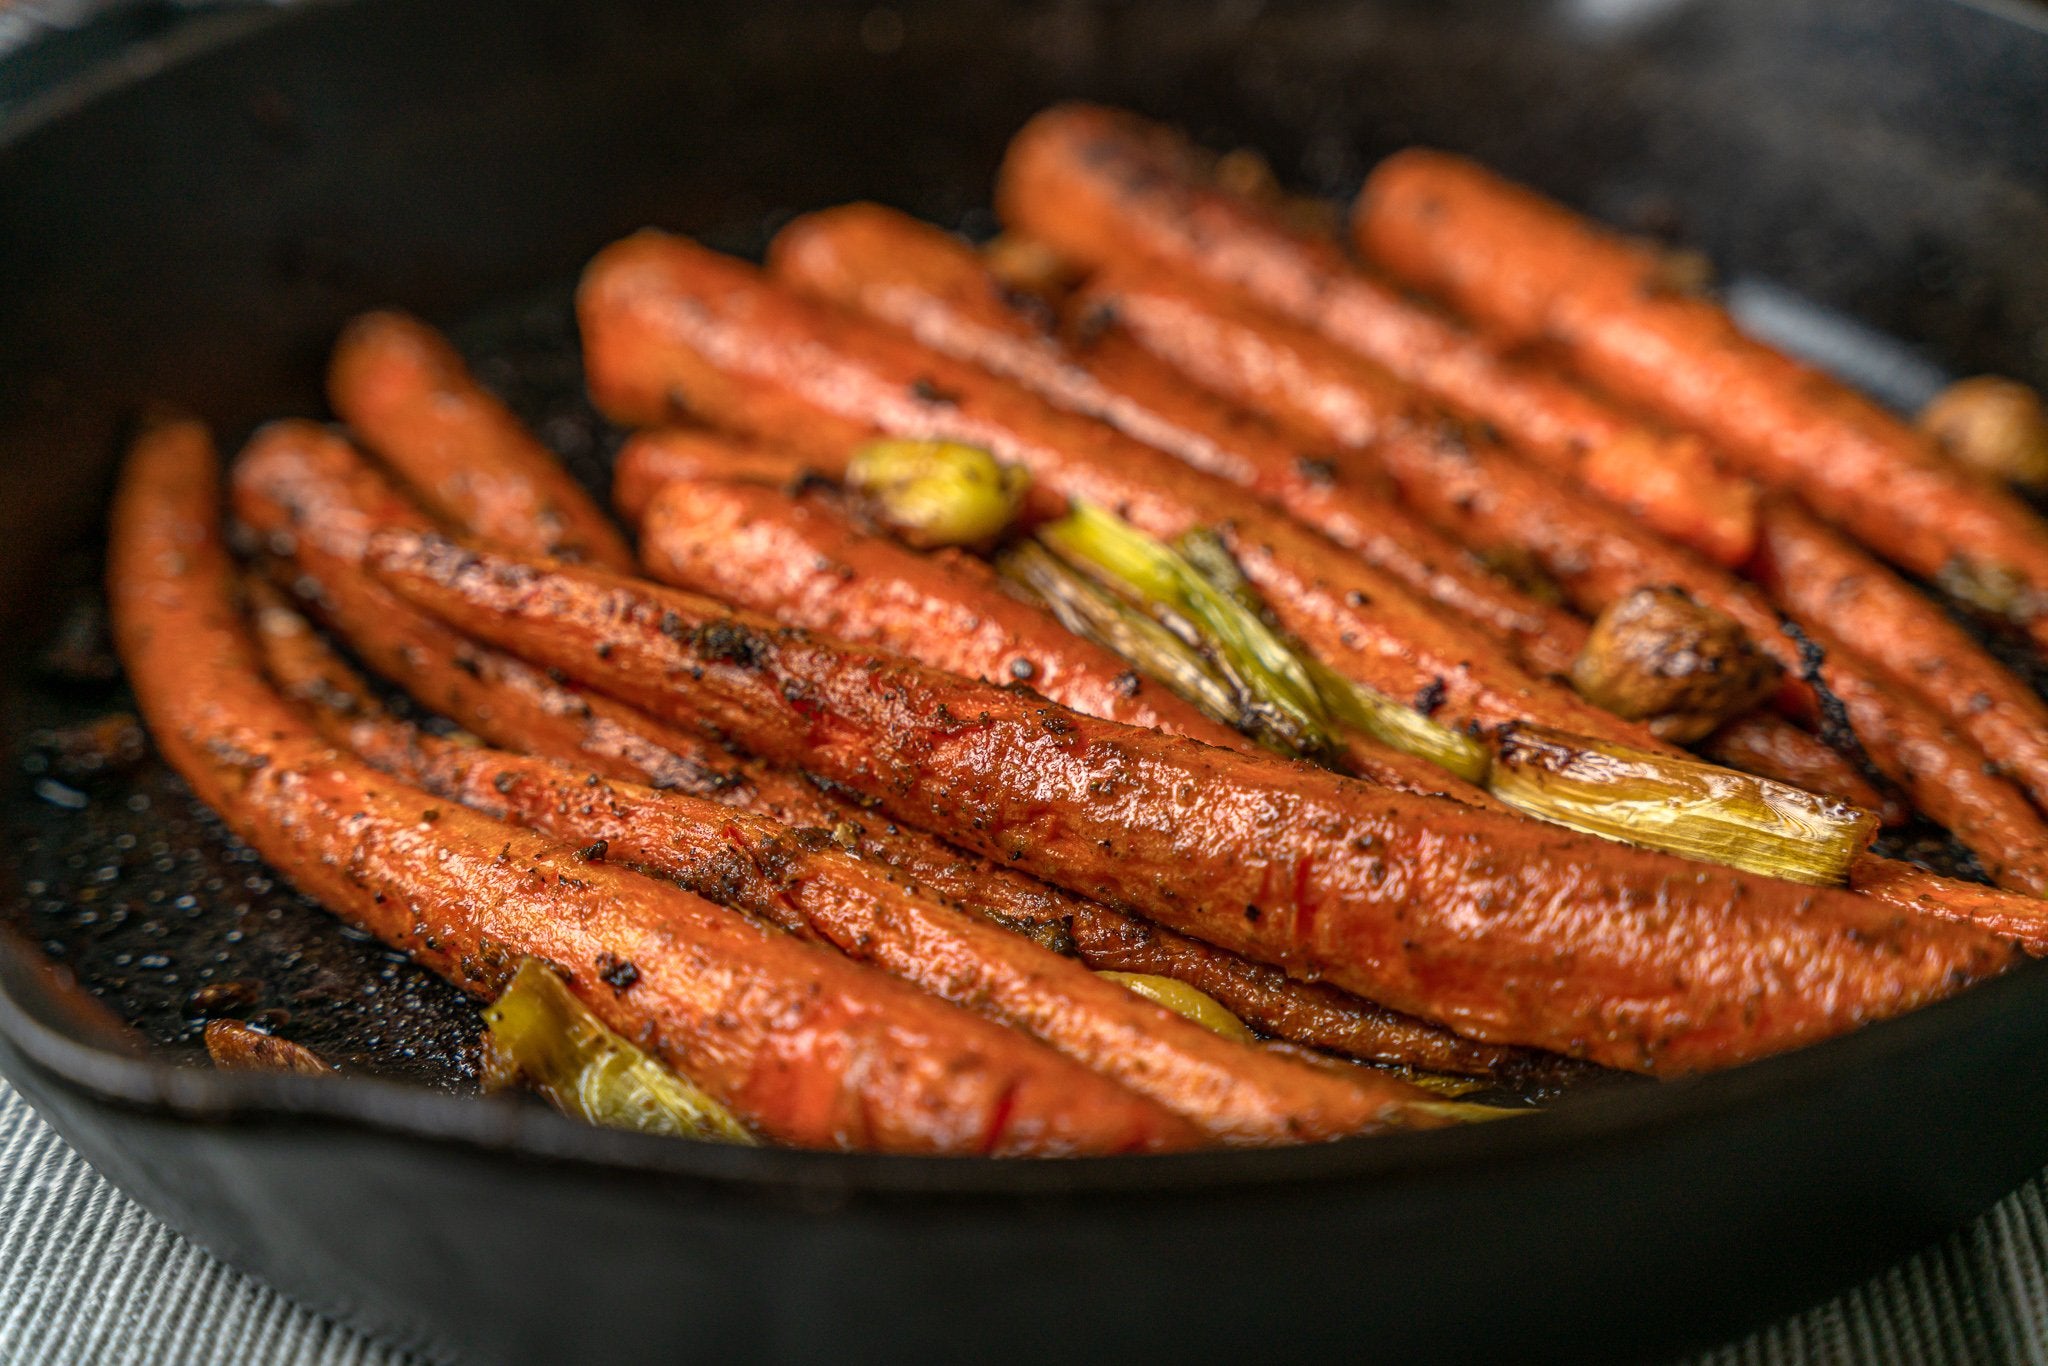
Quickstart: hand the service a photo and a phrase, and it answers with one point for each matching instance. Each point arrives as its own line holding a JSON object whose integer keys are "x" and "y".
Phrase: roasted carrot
{"x": 652, "y": 459}
{"x": 2021, "y": 918}
{"x": 926, "y": 282}
{"x": 799, "y": 561}
{"x": 802, "y": 881}
{"x": 1108, "y": 188}
{"x": 408, "y": 395}
{"x": 663, "y": 317}
{"x": 1513, "y": 931}
{"x": 297, "y": 481}
{"x": 1475, "y": 490}
{"x": 1818, "y": 576}
{"x": 313, "y": 502}
{"x": 809, "y": 1049}
{"x": 1531, "y": 269}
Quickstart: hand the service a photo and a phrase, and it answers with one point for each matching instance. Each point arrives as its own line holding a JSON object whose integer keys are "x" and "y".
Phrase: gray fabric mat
{"x": 87, "y": 1278}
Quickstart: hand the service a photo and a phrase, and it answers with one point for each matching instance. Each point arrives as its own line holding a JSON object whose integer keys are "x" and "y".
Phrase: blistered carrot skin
{"x": 799, "y": 561}
{"x": 802, "y": 881}
{"x": 1818, "y": 576}
{"x": 1476, "y": 491}
{"x": 1531, "y": 269}
{"x": 926, "y": 282}
{"x": 1507, "y": 930}
{"x": 1110, "y": 189}
{"x": 408, "y": 395}
{"x": 809, "y": 1049}
{"x": 652, "y": 460}
{"x": 663, "y": 317}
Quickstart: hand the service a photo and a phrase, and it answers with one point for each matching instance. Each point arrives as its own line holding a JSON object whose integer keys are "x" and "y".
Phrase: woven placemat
{"x": 88, "y": 1279}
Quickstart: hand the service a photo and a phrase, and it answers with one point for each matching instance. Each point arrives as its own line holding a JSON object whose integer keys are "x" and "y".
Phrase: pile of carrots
{"x": 839, "y": 823}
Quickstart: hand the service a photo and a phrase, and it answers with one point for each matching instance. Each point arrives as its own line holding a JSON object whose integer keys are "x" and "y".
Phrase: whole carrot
{"x": 314, "y": 502}
{"x": 932, "y": 285}
{"x": 663, "y": 317}
{"x": 804, "y": 1046}
{"x": 1478, "y": 492}
{"x": 299, "y": 482}
{"x": 1108, "y": 188}
{"x": 651, "y": 460}
{"x": 1532, "y": 269}
{"x": 798, "y": 560}
{"x": 804, "y": 882}
{"x": 408, "y": 395}
{"x": 1511, "y": 930}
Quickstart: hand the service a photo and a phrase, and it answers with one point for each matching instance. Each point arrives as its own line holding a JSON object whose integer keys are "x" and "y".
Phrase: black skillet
{"x": 190, "y": 220}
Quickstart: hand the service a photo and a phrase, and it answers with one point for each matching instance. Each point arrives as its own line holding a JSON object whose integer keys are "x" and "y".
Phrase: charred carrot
{"x": 300, "y": 482}
{"x": 1821, "y": 578}
{"x": 1476, "y": 491}
{"x": 407, "y": 393}
{"x": 798, "y": 560}
{"x": 807, "y": 1048}
{"x": 1516, "y": 932}
{"x": 1302, "y": 1012}
{"x": 1110, "y": 189}
{"x": 652, "y": 459}
{"x": 1531, "y": 269}
{"x": 914, "y": 277}
{"x": 663, "y": 317}
{"x": 801, "y": 880}
{"x": 313, "y": 503}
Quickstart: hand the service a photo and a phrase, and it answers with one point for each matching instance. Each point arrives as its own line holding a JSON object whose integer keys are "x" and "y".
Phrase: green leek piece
{"x": 934, "y": 493}
{"x": 1139, "y": 641}
{"x": 1679, "y": 806}
{"x": 1280, "y": 693}
{"x": 1182, "y": 999}
{"x": 538, "y": 1034}
{"x": 1350, "y": 703}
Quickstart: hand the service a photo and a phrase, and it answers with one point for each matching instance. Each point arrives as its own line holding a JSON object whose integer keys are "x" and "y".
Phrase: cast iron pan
{"x": 190, "y": 222}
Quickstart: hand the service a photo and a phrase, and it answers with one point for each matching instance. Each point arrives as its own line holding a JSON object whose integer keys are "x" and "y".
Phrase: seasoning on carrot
{"x": 662, "y": 317}
{"x": 407, "y": 393}
{"x": 1432, "y": 907}
{"x": 1110, "y": 189}
{"x": 914, "y": 277}
{"x": 805, "y": 1047}
{"x": 1531, "y": 269}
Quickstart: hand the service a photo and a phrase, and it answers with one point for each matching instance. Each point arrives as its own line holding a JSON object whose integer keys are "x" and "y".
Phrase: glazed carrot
{"x": 1818, "y": 576}
{"x": 1512, "y": 931}
{"x": 1532, "y": 269}
{"x": 807, "y": 1048}
{"x": 1476, "y": 491}
{"x": 802, "y": 881}
{"x": 1107, "y": 188}
{"x": 663, "y": 317}
{"x": 652, "y": 459}
{"x": 2023, "y": 919}
{"x": 932, "y": 285}
{"x": 298, "y": 481}
{"x": 798, "y": 560}
{"x": 313, "y": 502}
{"x": 407, "y": 393}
